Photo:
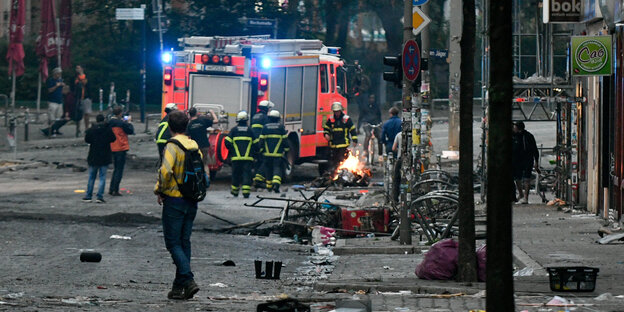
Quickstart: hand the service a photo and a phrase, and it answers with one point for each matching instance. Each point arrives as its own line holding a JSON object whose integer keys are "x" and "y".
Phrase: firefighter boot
{"x": 259, "y": 181}
{"x": 277, "y": 181}
{"x": 234, "y": 191}
{"x": 246, "y": 191}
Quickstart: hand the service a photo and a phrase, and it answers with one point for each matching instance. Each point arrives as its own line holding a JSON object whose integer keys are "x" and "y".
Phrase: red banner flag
{"x": 15, "y": 54}
{"x": 46, "y": 42}
{"x": 65, "y": 28}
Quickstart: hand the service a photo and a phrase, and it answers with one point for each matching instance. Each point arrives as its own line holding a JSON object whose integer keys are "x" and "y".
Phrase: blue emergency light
{"x": 166, "y": 57}
{"x": 265, "y": 63}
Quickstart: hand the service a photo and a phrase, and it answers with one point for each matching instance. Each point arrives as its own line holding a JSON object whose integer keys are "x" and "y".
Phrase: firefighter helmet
{"x": 171, "y": 106}
{"x": 336, "y": 106}
{"x": 242, "y": 115}
{"x": 274, "y": 113}
{"x": 266, "y": 103}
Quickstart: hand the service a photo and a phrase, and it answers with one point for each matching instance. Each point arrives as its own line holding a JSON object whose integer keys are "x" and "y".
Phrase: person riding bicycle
{"x": 370, "y": 114}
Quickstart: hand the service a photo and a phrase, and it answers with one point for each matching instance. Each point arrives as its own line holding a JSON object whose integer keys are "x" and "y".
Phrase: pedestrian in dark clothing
{"x": 525, "y": 156}
{"x": 80, "y": 88}
{"x": 273, "y": 143}
{"x": 197, "y": 130}
{"x": 163, "y": 134}
{"x": 99, "y": 137}
{"x": 178, "y": 213}
{"x": 242, "y": 147}
{"x": 337, "y": 130}
{"x": 122, "y": 127}
{"x": 390, "y": 129}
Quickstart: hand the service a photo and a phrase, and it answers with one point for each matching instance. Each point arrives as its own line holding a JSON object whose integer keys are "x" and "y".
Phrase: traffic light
{"x": 396, "y": 75}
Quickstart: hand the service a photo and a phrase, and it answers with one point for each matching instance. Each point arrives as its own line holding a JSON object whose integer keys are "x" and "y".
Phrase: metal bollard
{"x": 26, "y": 121}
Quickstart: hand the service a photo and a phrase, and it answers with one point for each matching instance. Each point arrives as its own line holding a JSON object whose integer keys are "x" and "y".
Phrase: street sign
{"x": 438, "y": 53}
{"x": 130, "y": 14}
{"x": 591, "y": 55}
{"x": 419, "y": 20}
{"x": 411, "y": 60}
{"x": 419, "y": 2}
{"x": 260, "y": 22}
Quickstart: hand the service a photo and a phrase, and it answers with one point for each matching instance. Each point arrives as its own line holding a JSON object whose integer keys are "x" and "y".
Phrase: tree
{"x": 499, "y": 281}
{"x": 467, "y": 271}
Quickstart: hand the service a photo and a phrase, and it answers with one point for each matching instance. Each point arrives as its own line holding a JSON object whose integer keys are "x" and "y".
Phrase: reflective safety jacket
{"x": 273, "y": 140}
{"x": 257, "y": 123}
{"x": 339, "y": 130}
{"x": 163, "y": 134}
{"x": 241, "y": 143}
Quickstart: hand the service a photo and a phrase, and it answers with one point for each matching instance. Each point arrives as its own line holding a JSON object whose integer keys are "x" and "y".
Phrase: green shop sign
{"x": 591, "y": 56}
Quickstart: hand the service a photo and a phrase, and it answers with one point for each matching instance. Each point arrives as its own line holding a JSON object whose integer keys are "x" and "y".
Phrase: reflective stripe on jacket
{"x": 339, "y": 131}
{"x": 241, "y": 143}
{"x": 274, "y": 140}
{"x": 163, "y": 134}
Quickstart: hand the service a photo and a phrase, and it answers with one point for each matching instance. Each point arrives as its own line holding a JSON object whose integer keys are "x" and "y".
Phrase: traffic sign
{"x": 130, "y": 14}
{"x": 411, "y": 60}
{"x": 419, "y": 2}
{"x": 419, "y": 20}
{"x": 261, "y": 22}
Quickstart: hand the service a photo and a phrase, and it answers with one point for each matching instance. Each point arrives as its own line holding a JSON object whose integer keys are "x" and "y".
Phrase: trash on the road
{"x": 480, "y": 294}
{"x": 120, "y": 237}
{"x": 323, "y": 235}
{"x": 90, "y": 256}
{"x": 321, "y": 307}
{"x": 603, "y": 297}
{"x": 524, "y": 272}
{"x": 228, "y": 263}
{"x": 611, "y": 238}
{"x": 556, "y": 301}
{"x": 219, "y": 285}
{"x": 272, "y": 269}
{"x": 365, "y": 219}
{"x": 556, "y": 202}
{"x": 572, "y": 278}
{"x": 80, "y": 191}
{"x": 282, "y": 305}
{"x": 385, "y": 267}
{"x": 297, "y": 187}
{"x": 102, "y": 287}
{"x": 440, "y": 262}
{"x": 323, "y": 251}
{"x": 14, "y": 295}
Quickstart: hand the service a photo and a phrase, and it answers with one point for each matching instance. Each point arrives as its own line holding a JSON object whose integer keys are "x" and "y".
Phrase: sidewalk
{"x": 543, "y": 237}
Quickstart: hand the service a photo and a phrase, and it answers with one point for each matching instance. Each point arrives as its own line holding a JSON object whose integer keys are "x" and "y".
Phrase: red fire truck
{"x": 229, "y": 74}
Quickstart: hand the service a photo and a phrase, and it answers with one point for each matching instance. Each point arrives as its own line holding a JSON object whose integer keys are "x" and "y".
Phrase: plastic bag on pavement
{"x": 481, "y": 259}
{"x": 440, "y": 261}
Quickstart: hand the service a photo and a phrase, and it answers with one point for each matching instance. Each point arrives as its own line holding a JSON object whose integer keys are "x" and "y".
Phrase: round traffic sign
{"x": 411, "y": 60}
{"x": 419, "y": 2}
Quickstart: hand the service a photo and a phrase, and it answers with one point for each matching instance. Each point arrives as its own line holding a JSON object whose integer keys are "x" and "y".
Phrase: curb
{"x": 392, "y": 250}
{"x": 523, "y": 259}
{"x": 417, "y": 289}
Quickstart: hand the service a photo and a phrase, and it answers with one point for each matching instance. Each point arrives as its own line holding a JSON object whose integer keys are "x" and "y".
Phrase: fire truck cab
{"x": 229, "y": 74}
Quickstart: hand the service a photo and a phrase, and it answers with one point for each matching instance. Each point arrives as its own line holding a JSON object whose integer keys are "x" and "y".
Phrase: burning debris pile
{"x": 351, "y": 172}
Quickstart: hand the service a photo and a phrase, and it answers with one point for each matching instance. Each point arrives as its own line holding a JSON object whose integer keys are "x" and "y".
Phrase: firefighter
{"x": 273, "y": 144}
{"x": 242, "y": 147}
{"x": 337, "y": 129}
{"x": 163, "y": 134}
{"x": 257, "y": 123}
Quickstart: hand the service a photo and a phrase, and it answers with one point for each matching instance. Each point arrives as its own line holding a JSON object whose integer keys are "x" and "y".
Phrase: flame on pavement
{"x": 353, "y": 165}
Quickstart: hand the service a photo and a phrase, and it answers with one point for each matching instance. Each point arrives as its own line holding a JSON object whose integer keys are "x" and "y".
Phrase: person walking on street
{"x": 371, "y": 116}
{"x": 178, "y": 213}
{"x": 99, "y": 137}
{"x": 391, "y": 128}
{"x": 273, "y": 143}
{"x": 197, "y": 130}
{"x": 337, "y": 130}
{"x": 68, "y": 113}
{"x": 122, "y": 127}
{"x": 242, "y": 146}
{"x": 55, "y": 86}
{"x": 525, "y": 156}
{"x": 83, "y": 104}
{"x": 257, "y": 123}
{"x": 163, "y": 134}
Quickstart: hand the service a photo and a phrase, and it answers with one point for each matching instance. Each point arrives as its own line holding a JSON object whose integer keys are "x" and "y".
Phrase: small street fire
{"x": 352, "y": 172}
